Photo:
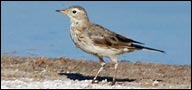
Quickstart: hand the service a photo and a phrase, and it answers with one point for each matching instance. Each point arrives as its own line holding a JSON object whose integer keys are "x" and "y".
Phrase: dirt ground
{"x": 146, "y": 74}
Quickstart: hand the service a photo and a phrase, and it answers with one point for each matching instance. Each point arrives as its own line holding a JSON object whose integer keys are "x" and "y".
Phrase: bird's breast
{"x": 79, "y": 38}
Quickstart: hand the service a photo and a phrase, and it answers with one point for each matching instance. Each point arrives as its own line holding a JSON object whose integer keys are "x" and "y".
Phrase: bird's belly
{"x": 97, "y": 50}
{"x": 86, "y": 45}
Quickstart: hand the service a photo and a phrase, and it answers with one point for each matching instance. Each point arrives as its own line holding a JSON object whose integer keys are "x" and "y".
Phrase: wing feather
{"x": 103, "y": 37}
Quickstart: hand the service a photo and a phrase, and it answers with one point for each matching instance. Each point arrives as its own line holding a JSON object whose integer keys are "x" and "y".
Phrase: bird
{"x": 99, "y": 41}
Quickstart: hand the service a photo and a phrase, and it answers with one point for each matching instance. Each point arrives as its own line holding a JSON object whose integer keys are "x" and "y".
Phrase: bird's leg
{"x": 101, "y": 68}
{"x": 114, "y": 77}
{"x": 115, "y": 61}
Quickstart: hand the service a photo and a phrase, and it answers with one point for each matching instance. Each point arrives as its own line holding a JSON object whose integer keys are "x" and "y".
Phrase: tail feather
{"x": 147, "y": 48}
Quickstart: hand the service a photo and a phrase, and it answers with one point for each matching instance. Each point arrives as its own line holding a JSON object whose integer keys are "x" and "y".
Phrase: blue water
{"x": 33, "y": 28}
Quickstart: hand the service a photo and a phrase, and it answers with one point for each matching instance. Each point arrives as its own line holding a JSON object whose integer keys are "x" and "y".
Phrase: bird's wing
{"x": 125, "y": 39}
{"x": 103, "y": 37}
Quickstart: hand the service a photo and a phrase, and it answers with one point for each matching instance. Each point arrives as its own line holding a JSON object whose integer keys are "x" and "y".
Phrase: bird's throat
{"x": 79, "y": 24}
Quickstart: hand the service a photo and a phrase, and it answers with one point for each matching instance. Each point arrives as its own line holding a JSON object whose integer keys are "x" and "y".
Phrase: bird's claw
{"x": 94, "y": 82}
{"x": 113, "y": 83}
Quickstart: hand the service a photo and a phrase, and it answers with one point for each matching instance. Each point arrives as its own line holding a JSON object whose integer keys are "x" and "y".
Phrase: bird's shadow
{"x": 78, "y": 76}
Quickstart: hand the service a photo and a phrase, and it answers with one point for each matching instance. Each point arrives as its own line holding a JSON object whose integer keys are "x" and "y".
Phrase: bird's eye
{"x": 74, "y": 11}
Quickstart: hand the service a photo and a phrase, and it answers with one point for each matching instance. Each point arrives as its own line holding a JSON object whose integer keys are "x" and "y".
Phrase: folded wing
{"x": 103, "y": 37}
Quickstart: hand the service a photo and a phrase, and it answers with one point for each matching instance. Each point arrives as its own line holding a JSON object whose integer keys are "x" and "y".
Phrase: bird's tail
{"x": 147, "y": 48}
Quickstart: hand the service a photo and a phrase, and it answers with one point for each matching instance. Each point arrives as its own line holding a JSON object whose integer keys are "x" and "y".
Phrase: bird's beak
{"x": 57, "y": 10}
{"x": 62, "y": 11}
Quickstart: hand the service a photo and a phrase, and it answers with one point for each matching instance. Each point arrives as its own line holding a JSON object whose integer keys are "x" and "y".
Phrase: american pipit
{"x": 97, "y": 40}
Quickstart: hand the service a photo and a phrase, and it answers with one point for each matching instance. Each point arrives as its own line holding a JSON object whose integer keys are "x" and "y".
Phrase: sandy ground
{"x": 42, "y": 72}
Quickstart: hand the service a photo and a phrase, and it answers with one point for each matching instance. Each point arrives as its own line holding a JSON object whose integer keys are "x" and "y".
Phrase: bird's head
{"x": 75, "y": 13}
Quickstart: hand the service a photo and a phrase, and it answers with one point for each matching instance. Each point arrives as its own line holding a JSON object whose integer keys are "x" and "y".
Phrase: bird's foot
{"x": 113, "y": 83}
{"x": 94, "y": 82}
